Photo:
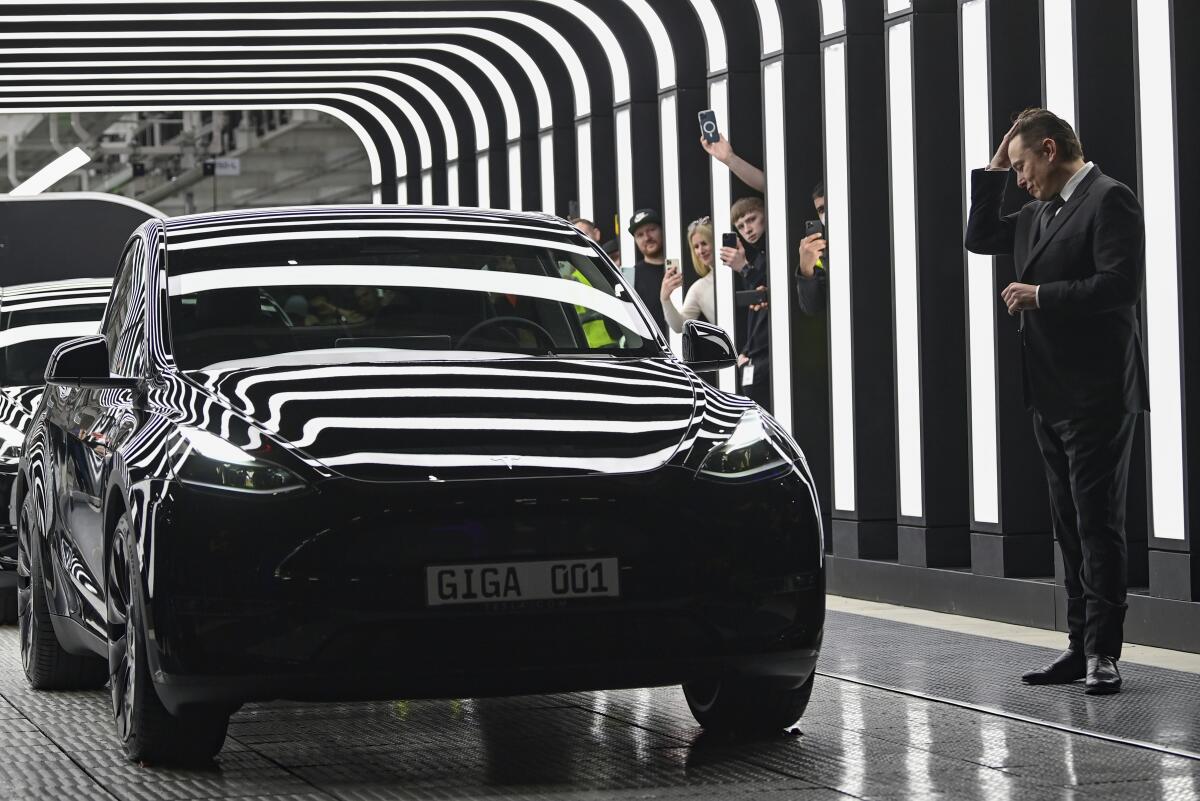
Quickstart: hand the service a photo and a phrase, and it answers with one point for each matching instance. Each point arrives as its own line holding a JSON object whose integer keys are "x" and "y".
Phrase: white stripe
{"x": 275, "y": 406}
{"x": 383, "y": 219}
{"x": 72, "y": 285}
{"x": 538, "y": 286}
{"x": 318, "y": 425}
{"x": 12, "y": 306}
{"x": 632, "y": 464}
{"x": 244, "y": 386}
{"x": 28, "y": 333}
{"x": 440, "y": 235}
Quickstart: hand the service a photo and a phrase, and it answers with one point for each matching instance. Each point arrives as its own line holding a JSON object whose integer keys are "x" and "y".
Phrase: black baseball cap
{"x": 643, "y": 217}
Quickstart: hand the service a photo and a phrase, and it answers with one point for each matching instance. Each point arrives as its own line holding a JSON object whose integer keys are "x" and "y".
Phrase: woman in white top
{"x": 699, "y": 301}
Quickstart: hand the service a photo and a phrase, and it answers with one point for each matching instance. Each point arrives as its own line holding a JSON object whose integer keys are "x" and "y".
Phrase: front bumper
{"x": 321, "y": 595}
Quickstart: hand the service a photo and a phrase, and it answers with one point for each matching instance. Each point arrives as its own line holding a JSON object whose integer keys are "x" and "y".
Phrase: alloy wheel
{"x": 122, "y": 648}
{"x": 25, "y": 606}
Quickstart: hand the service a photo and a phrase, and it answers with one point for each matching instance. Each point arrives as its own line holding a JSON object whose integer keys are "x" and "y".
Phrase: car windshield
{"x": 393, "y": 298}
{"x": 36, "y": 318}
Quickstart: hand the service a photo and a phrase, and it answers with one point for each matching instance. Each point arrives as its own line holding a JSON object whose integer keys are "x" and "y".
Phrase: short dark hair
{"x": 818, "y": 190}
{"x": 743, "y": 206}
{"x": 1036, "y": 124}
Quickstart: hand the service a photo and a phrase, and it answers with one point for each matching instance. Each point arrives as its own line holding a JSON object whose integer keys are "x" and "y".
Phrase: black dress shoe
{"x": 1103, "y": 678}
{"x": 1070, "y": 666}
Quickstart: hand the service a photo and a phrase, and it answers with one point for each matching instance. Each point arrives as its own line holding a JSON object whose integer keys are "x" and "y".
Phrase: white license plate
{"x": 521, "y": 581}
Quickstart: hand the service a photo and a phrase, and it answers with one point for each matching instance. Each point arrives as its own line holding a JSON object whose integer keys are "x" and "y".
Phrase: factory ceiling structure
{"x": 588, "y": 108}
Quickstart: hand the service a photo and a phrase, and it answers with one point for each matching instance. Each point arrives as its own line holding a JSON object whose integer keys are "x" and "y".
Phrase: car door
{"x": 98, "y": 421}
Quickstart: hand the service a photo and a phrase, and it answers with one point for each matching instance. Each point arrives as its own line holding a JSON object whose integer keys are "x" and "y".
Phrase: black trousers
{"x": 1087, "y": 469}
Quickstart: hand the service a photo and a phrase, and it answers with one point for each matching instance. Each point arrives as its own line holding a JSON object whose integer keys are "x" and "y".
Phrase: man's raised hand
{"x": 1000, "y": 161}
{"x": 720, "y": 150}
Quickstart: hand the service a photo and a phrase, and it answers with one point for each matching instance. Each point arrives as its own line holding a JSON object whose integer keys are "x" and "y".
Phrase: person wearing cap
{"x": 649, "y": 270}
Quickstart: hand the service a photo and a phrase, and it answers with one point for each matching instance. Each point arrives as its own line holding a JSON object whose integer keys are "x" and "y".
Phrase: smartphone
{"x": 748, "y": 297}
{"x": 814, "y": 227}
{"x": 708, "y": 126}
{"x": 672, "y": 265}
{"x": 729, "y": 240}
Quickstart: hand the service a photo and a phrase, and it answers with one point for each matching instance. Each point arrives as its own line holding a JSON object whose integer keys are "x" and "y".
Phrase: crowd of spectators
{"x": 744, "y": 251}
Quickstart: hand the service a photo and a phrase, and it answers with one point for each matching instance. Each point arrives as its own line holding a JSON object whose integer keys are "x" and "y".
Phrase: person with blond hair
{"x": 698, "y": 303}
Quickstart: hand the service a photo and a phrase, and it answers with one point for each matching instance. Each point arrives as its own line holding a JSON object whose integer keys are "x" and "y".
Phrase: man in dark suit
{"x": 1079, "y": 256}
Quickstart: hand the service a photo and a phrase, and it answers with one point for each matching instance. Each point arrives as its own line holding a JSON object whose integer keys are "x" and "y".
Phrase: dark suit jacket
{"x": 1082, "y": 355}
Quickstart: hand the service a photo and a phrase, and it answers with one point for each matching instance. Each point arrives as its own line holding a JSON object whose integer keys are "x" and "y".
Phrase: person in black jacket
{"x": 749, "y": 261}
{"x": 1079, "y": 251}
{"x": 812, "y": 278}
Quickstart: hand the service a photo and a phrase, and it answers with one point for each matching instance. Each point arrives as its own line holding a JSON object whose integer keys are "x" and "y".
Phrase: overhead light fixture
{"x": 53, "y": 172}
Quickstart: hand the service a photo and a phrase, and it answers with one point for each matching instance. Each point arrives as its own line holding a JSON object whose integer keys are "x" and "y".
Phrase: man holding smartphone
{"x": 749, "y": 261}
{"x": 811, "y": 276}
{"x": 648, "y": 272}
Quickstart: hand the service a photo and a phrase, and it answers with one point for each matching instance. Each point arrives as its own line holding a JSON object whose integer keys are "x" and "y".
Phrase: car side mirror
{"x": 83, "y": 362}
{"x": 707, "y": 347}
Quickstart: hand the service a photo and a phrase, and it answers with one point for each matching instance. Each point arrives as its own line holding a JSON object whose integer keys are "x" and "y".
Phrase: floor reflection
{"x": 855, "y": 741}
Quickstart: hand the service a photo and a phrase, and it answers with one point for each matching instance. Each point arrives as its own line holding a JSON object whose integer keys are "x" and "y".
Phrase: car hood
{"x": 468, "y": 420}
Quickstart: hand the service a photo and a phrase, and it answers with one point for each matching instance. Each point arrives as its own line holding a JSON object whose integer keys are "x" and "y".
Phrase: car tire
{"x": 8, "y": 606}
{"x": 746, "y": 705}
{"x": 149, "y": 733}
{"x": 47, "y": 665}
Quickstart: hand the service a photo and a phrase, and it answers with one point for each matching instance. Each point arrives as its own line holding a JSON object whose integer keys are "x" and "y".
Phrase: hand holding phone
{"x": 732, "y": 254}
{"x": 672, "y": 279}
{"x": 812, "y": 247}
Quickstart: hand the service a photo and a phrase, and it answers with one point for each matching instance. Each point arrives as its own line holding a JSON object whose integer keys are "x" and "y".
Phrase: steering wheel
{"x": 543, "y": 336}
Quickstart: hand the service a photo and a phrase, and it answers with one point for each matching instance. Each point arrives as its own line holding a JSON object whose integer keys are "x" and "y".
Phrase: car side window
{"x": 122, "y": 322}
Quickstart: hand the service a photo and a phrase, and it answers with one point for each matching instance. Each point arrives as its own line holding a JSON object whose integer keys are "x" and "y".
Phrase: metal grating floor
{"x": 857, "y": 741}
{"x": 1155, "y": 705}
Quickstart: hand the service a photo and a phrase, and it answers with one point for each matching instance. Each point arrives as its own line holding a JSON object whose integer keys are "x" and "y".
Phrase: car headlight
{"x": 749, "y": 453}
{"x": 213, "y": 462}
{"x": 12, "y": 442}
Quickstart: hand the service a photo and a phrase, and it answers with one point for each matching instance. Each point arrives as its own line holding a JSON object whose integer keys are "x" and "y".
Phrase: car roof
{"x": 357, "y": 213}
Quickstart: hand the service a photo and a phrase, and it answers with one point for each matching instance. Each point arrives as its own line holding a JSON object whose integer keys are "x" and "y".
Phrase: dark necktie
{"x": 1048, "y": 216}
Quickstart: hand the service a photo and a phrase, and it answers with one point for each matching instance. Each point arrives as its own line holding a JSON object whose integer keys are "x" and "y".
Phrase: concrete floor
{"x": 897, "y": 722}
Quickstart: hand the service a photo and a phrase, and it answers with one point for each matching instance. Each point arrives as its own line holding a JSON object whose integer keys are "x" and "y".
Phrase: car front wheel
{"x": 47, "y": 665}
{"x": 149, "y": 733}
{"x": 746, "y": 705}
